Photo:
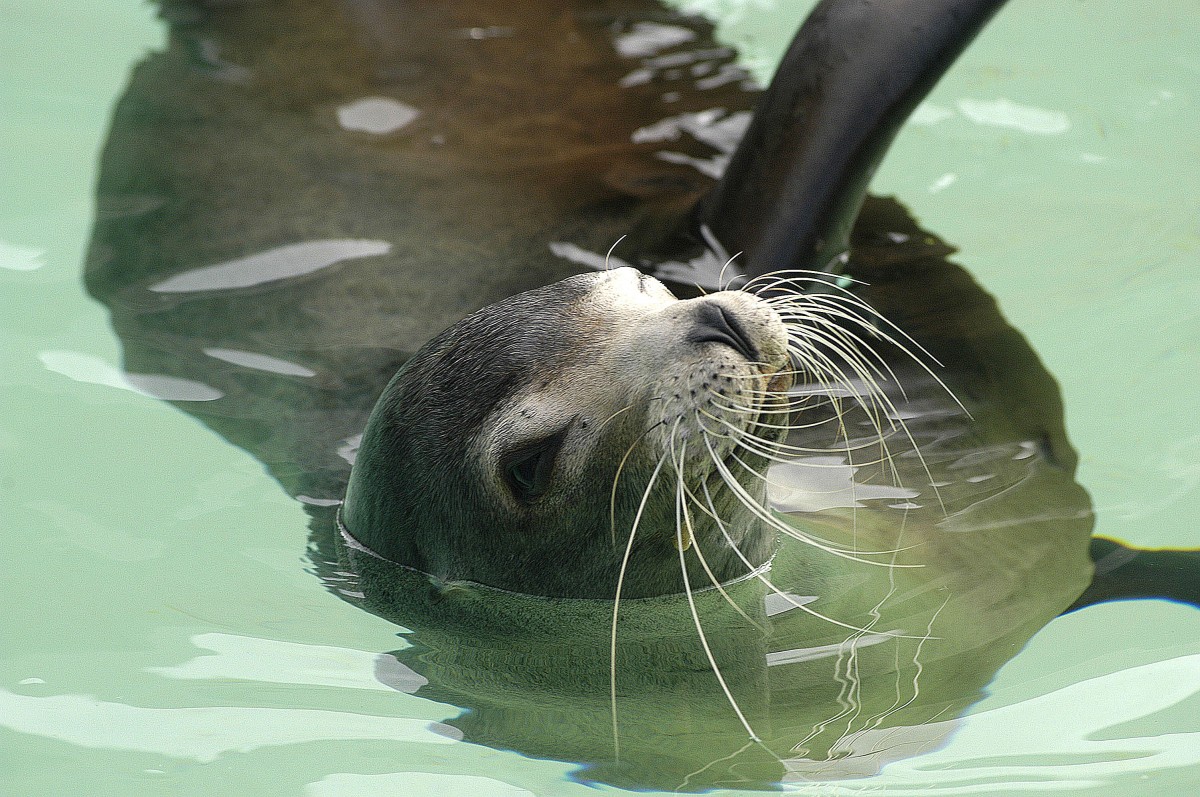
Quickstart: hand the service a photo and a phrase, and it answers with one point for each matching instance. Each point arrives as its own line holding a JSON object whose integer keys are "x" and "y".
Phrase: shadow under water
{"x": 295, "y": 196}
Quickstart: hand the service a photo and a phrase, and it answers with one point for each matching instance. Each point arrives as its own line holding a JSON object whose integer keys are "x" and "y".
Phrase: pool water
{"x": 164, "y": 635}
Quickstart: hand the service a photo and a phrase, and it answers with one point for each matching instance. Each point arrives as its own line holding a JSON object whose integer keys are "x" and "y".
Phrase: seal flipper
{"x": 1127, "y": 573}
{"x": 853, "y": 73}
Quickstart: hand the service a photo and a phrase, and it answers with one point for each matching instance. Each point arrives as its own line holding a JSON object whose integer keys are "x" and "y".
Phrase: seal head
{"x": 522, "y": 446}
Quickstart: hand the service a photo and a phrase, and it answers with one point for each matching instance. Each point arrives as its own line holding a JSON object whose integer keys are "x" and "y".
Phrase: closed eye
{"x": 528, "y": 469}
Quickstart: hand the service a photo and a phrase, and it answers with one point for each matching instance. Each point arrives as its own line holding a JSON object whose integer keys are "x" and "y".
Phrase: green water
{"x": 162, "y": 635}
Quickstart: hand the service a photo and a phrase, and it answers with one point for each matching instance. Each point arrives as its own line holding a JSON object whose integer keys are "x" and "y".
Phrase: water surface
{"x": 164, "y": 636}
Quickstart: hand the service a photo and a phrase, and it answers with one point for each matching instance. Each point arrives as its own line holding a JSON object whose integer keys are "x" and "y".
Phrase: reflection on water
{"x": 200, "y": 734}
{"x": 713, "y": 127}
{"x": 283, "y": 262}
{"x": 259, "y": 362}
{"x": 352, "y": 785}
{"x": 1081, "y": 730}
{"x": 93, "y": 370}
{"x": 20, "y": 258}
{"x": 376, "y": 115}
{"x": 271, "y": 661}
{"x": 811, "y": 484}
{"x": 649, "y": 38}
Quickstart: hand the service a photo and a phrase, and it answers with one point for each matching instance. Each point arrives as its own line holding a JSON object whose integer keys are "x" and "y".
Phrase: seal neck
{"x": 352, "y": 544}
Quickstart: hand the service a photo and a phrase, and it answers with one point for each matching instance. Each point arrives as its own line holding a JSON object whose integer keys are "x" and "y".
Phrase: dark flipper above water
{"x": 854, "y": 72}
{"x": 1127, "y": 573}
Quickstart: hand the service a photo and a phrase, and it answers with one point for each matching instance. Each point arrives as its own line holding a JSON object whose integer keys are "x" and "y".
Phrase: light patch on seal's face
{"x": 601, "y": 382}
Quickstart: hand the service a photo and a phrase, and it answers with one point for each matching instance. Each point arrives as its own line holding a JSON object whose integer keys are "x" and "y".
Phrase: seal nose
{"x": 715, "y": 324}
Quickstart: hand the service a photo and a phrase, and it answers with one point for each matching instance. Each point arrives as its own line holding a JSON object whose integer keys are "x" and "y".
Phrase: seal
{"x": 426, "y": 483}
{"x": 296, "y": 195}
{"x": 515, "y": 446}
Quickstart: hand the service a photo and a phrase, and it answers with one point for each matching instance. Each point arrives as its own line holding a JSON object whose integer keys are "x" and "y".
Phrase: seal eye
{"x": 528, "y": 468}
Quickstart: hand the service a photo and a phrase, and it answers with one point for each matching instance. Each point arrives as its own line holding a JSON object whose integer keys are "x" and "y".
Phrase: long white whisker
{"x": 721, "y": 276}
{"x": 687, "y": 590}
{"x": 804, "y": 277}
{"x": 880, "y": 399}
{"x": 612, "y": 655}
{"x": 687, "y": 519}
{"x": 770, "y": 449}
{"x": 876, "y": 397}
{"x": 606, "y": 421}
{"x": 856, "y": 552}
{"x": 848, "y": 298}
{"x": 783, "y": 408}
{"x": 762, "y": 514}
{"x": 612, "y": 249}
{"x": 771, "y": 586}
{"x": 612, "y": 498}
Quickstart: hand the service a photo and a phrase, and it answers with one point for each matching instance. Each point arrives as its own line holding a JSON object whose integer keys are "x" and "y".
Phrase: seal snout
{"x": 715, "y": 324}
{"x": 744, "y": 323}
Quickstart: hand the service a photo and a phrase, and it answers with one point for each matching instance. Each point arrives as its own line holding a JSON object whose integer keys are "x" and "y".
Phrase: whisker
{"x": 876, "y": 399}
{"x": 820, "y": 370}
{"x": 606, "y": 421}
{"x": 870, "y": 406}
{"x": 762, "y": 514}
{"x": 612, "y": 654}
{"x": 804, "y": 276}
{"x": 612, "y": 249}
{"x": 687, "y": 590}
{"x": 857, "y": 352}
{"x": 784, "y": 406}
{"x": 889, "y": 552}
{"x": 687, "y": 519}
{"x": 823, "y": 310}
{"x": 768, "y": 583}
{"x": 849, "y": 298}
{"x": 721, "y": 276}
{"x": 740, "y": 435}
{"x": 612, "y": 498}
{"x": 845, "y": 299}
{"x": 718, "y": 251}
{"x": 756, "y": 446}
{"x": 879, "y": 399}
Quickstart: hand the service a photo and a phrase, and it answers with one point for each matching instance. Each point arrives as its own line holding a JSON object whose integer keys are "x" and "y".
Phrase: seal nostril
{"x": 715, "y": 324}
